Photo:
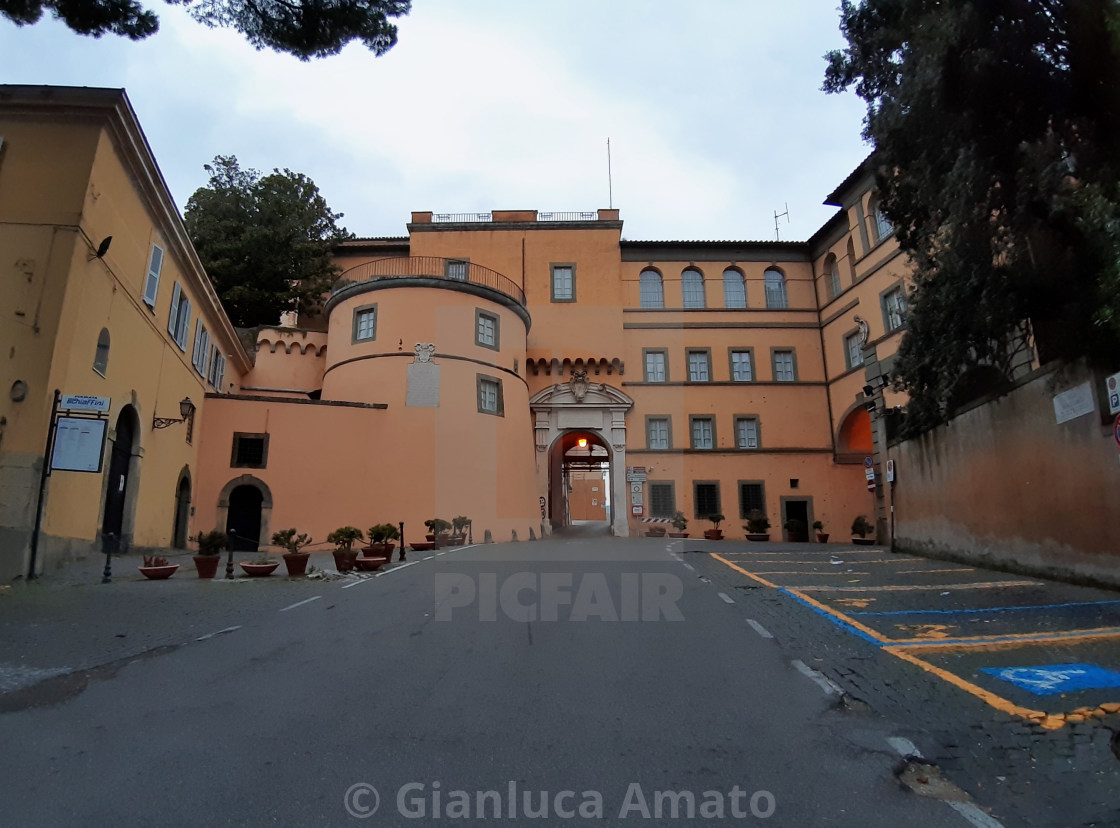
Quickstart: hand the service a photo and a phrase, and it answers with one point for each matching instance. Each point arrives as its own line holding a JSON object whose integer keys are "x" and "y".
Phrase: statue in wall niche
{"x": 864, "y": 331}
{"x": 424, "y": 352}
{"x": 578, "y": 384}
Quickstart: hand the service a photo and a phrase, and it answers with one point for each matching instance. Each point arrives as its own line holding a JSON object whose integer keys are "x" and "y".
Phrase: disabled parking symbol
{"x": 1052, "y": 679}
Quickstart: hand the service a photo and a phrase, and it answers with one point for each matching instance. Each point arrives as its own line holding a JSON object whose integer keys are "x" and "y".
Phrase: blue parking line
{"x": 838, "y": 622}
{"x": 989, "y": 609}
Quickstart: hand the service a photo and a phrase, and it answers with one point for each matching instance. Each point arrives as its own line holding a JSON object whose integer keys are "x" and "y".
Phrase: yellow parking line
{"x": 750, "y": 575}
{"x": 917, "y": 587}
{"x": 1015, "y": 639}
{"x": 847, "y": 619}
{"x": 925, "y": 571}
{"x": 814, "y": 574}
{"x": 821, "y": 561}
{"x": 998, "y": 702}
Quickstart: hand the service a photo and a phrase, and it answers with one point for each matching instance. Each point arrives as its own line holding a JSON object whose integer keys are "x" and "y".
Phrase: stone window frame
{"x": 774, "y": 363}
{"x": 238, "y": 436}
{"x": 703, "y": 298}
{"x": 668, "y": 431}
{"x": 851, "y": 338}
{"x": 645, "y": 366}
{"x": 695, "y": 418}
{"x": 501, "y": 402}
{"x": 552, "y": 267}
{"x": 741, "y": 486}
{"x": 696, "y": 484}
{"x": 672, "y": 488}
{"x": 738, "y": 418}
{"x": 479, "y": 314}
{"x": 688, "y": 352}
{"x": 735, "y": 349}
{"x": 358, "y": 311}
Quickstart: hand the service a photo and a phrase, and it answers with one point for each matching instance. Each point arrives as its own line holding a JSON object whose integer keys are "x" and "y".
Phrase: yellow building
{"x": 103, "y": 296}
{"x": 472, "y": 367}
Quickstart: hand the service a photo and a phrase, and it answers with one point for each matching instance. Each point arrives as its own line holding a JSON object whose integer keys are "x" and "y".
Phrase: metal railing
{"x": 430, "y": 267}
{"x": 576, "y": 216}
{"x": 454, "y": 218}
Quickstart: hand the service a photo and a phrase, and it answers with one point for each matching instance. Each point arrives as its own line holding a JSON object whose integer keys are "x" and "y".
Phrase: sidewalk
{"x": 67, "y": 620}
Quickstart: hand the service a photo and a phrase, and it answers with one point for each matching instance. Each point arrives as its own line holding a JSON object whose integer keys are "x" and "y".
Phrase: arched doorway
{"x": 119, "y": 476}
{"x": 853, "y": 439}
{"x": 182, "y": 510}
{"x": 580, "y": 482}
{"x": 243, "y": 524}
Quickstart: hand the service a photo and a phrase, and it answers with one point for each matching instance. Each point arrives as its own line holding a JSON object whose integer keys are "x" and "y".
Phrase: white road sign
{"x": 83, "y": 402}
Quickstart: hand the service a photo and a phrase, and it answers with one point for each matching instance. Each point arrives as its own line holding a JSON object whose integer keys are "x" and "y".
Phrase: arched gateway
{"x": 581, "y": 406}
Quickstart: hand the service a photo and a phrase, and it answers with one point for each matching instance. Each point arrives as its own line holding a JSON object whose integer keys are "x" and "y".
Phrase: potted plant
{"x": 439, "y": 531}
{"x": 381, "y": 537}
{"x": 459, "y": 530}
{"x": 294, "y": 559}
{"x": 757, "y": 525}
{"x": 680, "y": 523}
{"x": 344, "y": 552}
{"x": 157, "y": 568}
{"x": 818, "y": 527}
{"x": 715, "y": 533}
{"x": 210, "y": 546}
{"x": 861, "y": 528}
{"x": 796, "y": 530}
{"x": 655, "y": 532}
{"x": 264, "y": 564}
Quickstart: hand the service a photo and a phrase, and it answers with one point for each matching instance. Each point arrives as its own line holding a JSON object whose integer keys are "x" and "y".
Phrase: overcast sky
{"x": 713, "y": 109}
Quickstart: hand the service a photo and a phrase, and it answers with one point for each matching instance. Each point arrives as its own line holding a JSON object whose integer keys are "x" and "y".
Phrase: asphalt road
{"x": 617, "y": 671}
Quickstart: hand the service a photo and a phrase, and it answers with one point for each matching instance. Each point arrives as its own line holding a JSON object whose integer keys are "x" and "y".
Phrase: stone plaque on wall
{"x": 574, "y": 418}
{"x": 423, "y": 379}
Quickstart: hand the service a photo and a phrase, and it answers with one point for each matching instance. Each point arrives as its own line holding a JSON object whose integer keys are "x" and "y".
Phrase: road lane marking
{"x": 440, "y": 553}
{"x": 301, "y": 603}
{"x": 930, "y": 571}
{"x": 738, "y": 568}
{"x": 820, "y": 679}
{"x": 219, "y": 632}
{"x": 816, "y": 574}
{"x": 974, "y": 815}
{"x": 689, "y": 566}
{"x": 727, "y": 598}
{"x": 758, "y": 628}
{"x": 1022, "y": 608}
{"x": 428, "y": 558}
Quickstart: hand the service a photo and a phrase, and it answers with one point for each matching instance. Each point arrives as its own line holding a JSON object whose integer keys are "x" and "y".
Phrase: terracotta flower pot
{"x": 422, "y": 546}
{"x": 760, "y": 537}
{"x": 158, "y": 573}
{"x": 379, "y": 550}
{"x": 822, "y": 537}
{"x": 370, "y": 564}
{"x": 863, "y": 541}
{"x": 296, "y": 563}
{"x": 207, "y": 565}
{"x": 713, "y": 534}
{"x": 344, "y": 561}
{"x": 678, "y": 534}
{"x": 259, "y": 570}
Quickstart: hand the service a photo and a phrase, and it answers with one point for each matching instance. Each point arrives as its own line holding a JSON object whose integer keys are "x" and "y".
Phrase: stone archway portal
{"x": 595, "y": 408}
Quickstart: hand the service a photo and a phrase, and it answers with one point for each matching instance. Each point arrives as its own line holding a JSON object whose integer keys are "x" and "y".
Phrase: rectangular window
{"x": 250, "y": 451}
{"x": 365, "y": 324}
{"x": 486, "y": 330}
{"x": 894, "y": 309}
{"x": 750, "y": 497}
{"x": 151, "y": 283}
{"x": 563, "y": 283}
{"x": 662, "y": 500}
{"x": 746, "y": 432}
{"x": 490, "y": 400}
{"x": 785, "y": 366}
{"x": 706, "y": 499}
{"x": 456, "y": 269}
{"x": 179, "y": 320}
{"x": 742, "y": 369}
{"x": 657, "y": 433}
{"x": 656, "y": 369}
{"x": 699, "y": 366}
{"x": 201, "y": 348}
{"x": 703, "y": 432}
{"x": 853, "y": 349}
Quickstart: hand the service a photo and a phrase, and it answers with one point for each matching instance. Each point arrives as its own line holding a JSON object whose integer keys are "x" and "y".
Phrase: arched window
{"x": 651, "y": 290}
{"x": 692, "y": 288}
{"x": 101, "y": 358}
{"x": 832, "y": 275}
{"x": 775, "y": 282}
{"x": 734, "y": 289}
{"x": 851, "y": 260}
{"x": 883, "y": 226}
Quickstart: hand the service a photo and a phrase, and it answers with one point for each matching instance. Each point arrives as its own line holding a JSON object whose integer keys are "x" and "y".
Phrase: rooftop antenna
{"x": 610, "y": 186}
{"x": 777, "y": 215}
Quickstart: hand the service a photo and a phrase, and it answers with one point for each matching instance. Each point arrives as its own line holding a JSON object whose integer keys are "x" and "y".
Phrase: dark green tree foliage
{"x": 996, "y": 128}
{"x": 265, "y": 241}
{"x": 304, "y": 28}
